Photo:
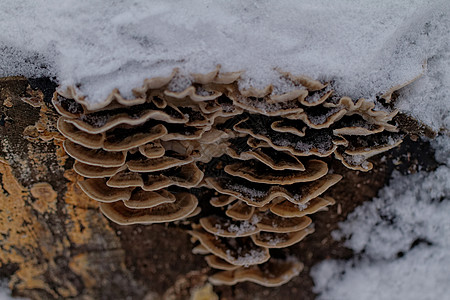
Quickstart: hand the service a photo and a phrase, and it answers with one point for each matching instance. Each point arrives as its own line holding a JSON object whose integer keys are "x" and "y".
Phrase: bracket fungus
{"x": 262, "y": 155}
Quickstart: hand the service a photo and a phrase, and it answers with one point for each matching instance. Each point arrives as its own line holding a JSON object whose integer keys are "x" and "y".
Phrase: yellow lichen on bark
{"x": 54, "y": 241}
{"x": 29, "y": 243}
{"x": 204, "y": 293}
{"x": 21, "y": 233}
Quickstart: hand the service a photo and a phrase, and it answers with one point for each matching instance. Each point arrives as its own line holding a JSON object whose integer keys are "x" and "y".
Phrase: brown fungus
{"x": 305, "y": 81}
{"x": 157, "y": 164}
{"x": 240, "y": 211}
{"x": 263, "y": 106}
{"x": 195, "y": 212}
{"x": 167, "y": 212}
{"x": 260, "y": 173}
{"x": 225, "y": 227}
{"x": 115, "y": 140}
{"x": 270, "y": 222}
{"x": 280, "y": 240}
{"x": 299, "y": 95}
{"x": 67, "y": 107}
{"x": 186, "y": 176}
{"x": 222, "y": 200}
{"x": 124, "y": 179}
{"x": 68, "y": 130}
{"x": 254, "y": 155}
{"x": 145, "y": 199}
{"x": 200, "y": 249}
{"x": 317, "y": 142}
{"x": 262, "y": 194}
{"x": 270, "y": 274}
{"x": 218, "y": 263}
{"x": 98, "y": 157}
{"x": 236, "y": 251}
{"x": 289, "y": 126}
{"x": 288, "y": 209}
{"x": 97, "y": 189}
{"x": 152, "y": 150}
{"x": 319, "y": 117}
{"x": 277, "y": 160}
{"x": 101, "y": 121}
{"x": 194, "y": 94}
{"x": 90, "y": 171}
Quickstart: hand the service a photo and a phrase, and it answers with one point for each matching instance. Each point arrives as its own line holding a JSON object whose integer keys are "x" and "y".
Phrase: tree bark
{"x": 55, "y": 243}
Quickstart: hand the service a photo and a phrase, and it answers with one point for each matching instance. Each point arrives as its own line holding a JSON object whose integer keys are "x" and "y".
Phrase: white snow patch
{"x": 428, "y": 99}
{"x": 401, "y": 240}
{"x": 5, "y": 293}
{"x": 365, "y": 46}
{"x": 251, "y": 193}
{"x": 302, "y": 206}
{"x": 241, "y": 228}
{"x": 248, "y": 258}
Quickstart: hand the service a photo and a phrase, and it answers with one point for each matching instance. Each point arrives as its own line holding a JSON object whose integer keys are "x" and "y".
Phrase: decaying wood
{"x": 55, "y": 243}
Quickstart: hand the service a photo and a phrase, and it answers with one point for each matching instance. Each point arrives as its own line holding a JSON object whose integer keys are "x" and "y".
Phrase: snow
{"x": 247, "y": 192}
{"x": 242, "y": 228}
{"x": 428, "y": 98}
{"x": 401, "y": 240}
{"x": 238, "y": 228}
{"x": 252, "y": 257}
{"x": 5, "y": 293}
{"x": 302, "y": 206}
{"x": 366, "y": 47}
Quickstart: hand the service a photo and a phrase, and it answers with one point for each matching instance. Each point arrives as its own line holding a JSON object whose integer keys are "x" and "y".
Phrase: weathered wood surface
{"x": 55, "y": 244}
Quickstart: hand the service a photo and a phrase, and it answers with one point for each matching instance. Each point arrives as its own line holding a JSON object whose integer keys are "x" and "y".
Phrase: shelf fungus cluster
{"x": 257, "y": 160}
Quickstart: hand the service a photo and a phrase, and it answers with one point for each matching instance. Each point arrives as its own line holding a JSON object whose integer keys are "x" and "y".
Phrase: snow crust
{"x": 428, "y": 98}
{"x": 365, "y": 46}
{"x": 401, "y": 240}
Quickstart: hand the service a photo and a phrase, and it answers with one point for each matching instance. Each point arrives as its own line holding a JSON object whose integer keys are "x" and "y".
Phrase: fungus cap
{"x": 68, "y": 130}
{"x": 269, "y": 222}
{"x": 218, "y": 263}
{"x": 144, "y": 199}
{"x": 135, "y": 140}
{"x": 277, "y": 160}
{"x": 97, "y": 189}
{"x": 288, "y": 209}
{"x": 117, "y": 212}
{"x": 298, "y": 94}
{"x": 228, "y": 228}
{"x": 271, "y": 274}
{"x": 152, "y": 149}
{"x": 262, "y": 194}
{"x": 240, "y": 211}
{"x": 257, "y": 172}
{"x": 280, "y": 240}
{"x": 157, "y": 164}
{"x": 90, "y": 171}
{"x": 285, "y": 125}
{"x": 98, "y": 122}
{"x": 66, "y": 107}
{"x": 222, "y": 200}
{"x": 200, "y": 249}
{"x": 239, "y": 253}
{"x": 95, "y": 157}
